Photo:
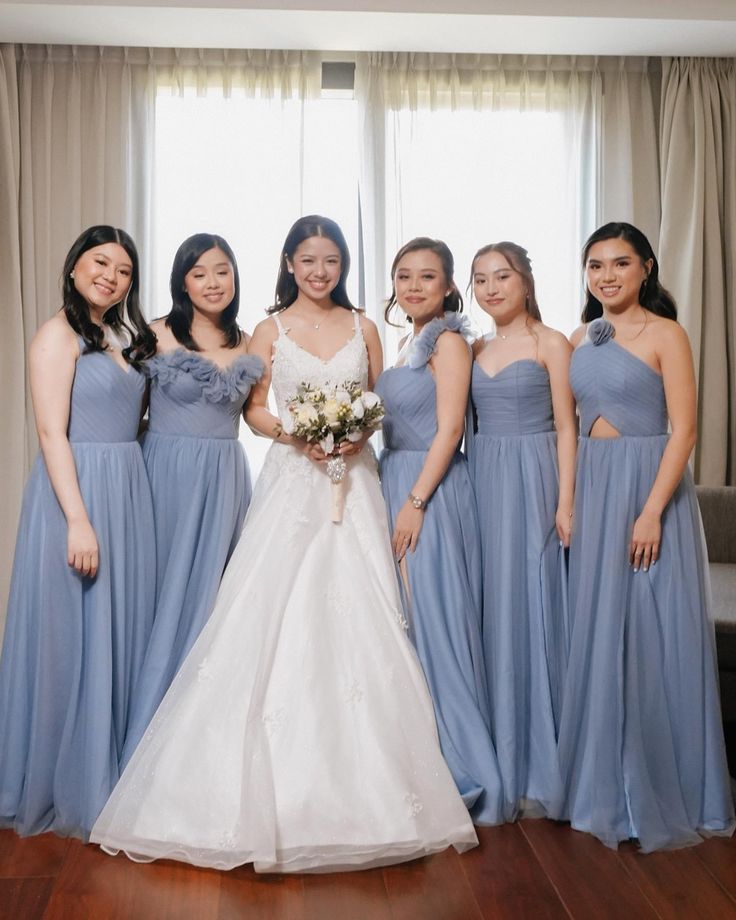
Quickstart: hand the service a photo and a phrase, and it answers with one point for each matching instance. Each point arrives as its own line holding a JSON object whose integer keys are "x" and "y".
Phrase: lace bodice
{"x": 293, "y": 365}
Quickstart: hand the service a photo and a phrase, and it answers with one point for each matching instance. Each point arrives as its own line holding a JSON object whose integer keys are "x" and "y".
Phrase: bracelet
{"x": 417, "y": 502}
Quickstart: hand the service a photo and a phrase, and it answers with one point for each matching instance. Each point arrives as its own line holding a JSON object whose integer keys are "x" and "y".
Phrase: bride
{"x": 299, "y": 733}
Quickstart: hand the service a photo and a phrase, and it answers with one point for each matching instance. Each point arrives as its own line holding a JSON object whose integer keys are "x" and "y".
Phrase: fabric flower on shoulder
{"x": 600, "y": 331}
{"x": 219, "y": 385}
{"x": 425, "y": 344}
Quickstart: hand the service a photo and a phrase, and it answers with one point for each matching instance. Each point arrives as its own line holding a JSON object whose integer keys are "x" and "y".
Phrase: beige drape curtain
{"x": 77, "y": 148}
{"x": 698, "y": 242}
{"x": 12, "y": 341}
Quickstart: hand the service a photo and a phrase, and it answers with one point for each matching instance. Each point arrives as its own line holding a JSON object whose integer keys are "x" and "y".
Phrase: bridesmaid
{"x": 432, "y": 512}
{"x": 526, "y": 433}
{"x": 200, "y": 379}
{"x": 80, "y": 608}
{"x": 641, "y": 742}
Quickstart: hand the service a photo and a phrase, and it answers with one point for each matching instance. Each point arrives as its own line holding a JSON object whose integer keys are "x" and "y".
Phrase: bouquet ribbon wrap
{"x": 337, "y": 471}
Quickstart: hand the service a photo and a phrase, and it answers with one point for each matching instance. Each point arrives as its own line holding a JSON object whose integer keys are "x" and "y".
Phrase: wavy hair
{"x": 652, "y": 296}
{"x": 125, "y": 318}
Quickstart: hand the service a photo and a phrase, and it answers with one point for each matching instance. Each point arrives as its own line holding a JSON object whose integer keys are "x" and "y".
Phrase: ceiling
{"x": 590, "y": 27}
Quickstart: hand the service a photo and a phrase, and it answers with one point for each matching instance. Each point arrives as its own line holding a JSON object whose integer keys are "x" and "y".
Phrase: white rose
{"x": 330, "y": 409}
{"x": 342, "y": 396}
{"x": 306, "y": 414}
{"x": 354, "y": 435}
{"x": 358, "y": 408}
{"x": 370, "y": 400}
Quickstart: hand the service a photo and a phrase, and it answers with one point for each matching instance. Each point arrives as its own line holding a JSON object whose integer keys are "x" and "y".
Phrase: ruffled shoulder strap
{"x": 425, "y": 344}
{"x": 218, "y": 384}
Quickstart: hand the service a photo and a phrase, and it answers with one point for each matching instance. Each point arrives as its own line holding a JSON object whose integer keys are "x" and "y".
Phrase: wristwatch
{"x": 417, "y": 502}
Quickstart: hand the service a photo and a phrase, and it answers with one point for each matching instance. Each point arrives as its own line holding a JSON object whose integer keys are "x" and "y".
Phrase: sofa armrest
{"x": 718, "y": 509}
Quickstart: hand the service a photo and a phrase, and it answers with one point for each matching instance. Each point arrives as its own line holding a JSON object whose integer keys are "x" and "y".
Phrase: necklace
{"x": 515, "y": 335}
{"x": 311, "y": 323}
{"x": 636, "y": 335}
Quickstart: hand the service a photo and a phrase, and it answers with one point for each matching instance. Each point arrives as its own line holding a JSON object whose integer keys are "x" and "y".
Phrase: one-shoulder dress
{"x": 298, "y": 734}
{"x": 201, "y": 489}
{"x": 74, "y": 645}
{"x": 513, "y": 464}
{"x": 641, "y": 742}
{"x": 442, "y": 600}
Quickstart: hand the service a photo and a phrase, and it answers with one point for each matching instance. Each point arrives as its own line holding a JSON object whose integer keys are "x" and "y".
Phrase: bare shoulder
{"x": 55, "y": 336}
{"x": 452, "y": 345}
{"x": 552, "y": 342}
{"x": 165, "y": 338}
{"x": 668, "y": 331}
{"x": 367, "y": 326}
{"x": 265, "y": 331}
{"x": 242, "y": 347}
{"x": 577, "y": 337}
{"x": 479, "y": 345}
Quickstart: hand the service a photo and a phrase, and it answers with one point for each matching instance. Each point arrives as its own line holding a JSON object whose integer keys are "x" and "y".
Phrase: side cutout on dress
{"x": 602, "y": 428}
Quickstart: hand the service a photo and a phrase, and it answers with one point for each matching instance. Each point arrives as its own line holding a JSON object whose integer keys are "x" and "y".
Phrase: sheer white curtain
{"x": 698, "y": 242}
{"x": 473, "y": 149}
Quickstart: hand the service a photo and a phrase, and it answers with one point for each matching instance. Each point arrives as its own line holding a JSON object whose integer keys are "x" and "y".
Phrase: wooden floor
{"x": 534, "y": 869}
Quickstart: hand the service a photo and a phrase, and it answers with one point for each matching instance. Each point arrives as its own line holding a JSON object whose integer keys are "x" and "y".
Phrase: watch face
{"x": 417, "y": 502}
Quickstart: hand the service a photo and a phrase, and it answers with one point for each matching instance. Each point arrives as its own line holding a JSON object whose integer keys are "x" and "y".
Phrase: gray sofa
{"x": 718, "y": 508}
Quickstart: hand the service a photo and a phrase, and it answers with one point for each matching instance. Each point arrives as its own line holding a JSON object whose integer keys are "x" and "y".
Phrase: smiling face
{"x": 499, "y": 290}
{"x": 316, "y": 267}
{"x": 614, "y": 274}
{"x": 420, "y": 285}
{"x": 102, "y": 275}
{"x": 210, "y": 282}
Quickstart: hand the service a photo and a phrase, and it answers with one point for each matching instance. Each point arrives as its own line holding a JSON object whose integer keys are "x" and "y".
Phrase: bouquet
{"x": 330, "y": 416}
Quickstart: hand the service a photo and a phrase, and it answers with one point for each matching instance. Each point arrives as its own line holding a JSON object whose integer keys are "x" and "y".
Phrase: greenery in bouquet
{"x": 331, "y": 415}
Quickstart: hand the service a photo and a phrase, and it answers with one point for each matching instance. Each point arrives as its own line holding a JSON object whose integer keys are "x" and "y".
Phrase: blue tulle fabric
{"x": 442, "y": 595}
{"x": 74, "y": 646}
{"x": 201, "y": 489}
{"x": 425, "y": 344}
{"x": 641, "y": 741}
{"x": 513, "y": 463}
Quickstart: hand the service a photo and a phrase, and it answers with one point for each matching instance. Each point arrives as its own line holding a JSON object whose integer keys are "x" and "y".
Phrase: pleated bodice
{"x": 192, "y": 396}
{"x": 515, "y": 401}
{"x": 410, "y": 398}
{"x": 105, "y": 402}
{"x": 612, "y": 383}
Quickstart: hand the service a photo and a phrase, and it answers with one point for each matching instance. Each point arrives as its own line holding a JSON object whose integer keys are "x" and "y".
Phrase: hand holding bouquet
{"x": 330, "y": 416}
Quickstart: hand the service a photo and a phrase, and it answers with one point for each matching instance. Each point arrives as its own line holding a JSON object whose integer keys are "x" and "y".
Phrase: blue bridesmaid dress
{"x": 513, "y": 464}
{"x": 443, "y": 600}
{"x": 641, "y": 741}
{"x": 201, "y": 489}
{"x": 74, "y": 645}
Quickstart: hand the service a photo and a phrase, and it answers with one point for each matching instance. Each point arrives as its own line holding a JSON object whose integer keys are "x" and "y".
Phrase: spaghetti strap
{"x": 356, "y": 320}
{"x": 279, "y": 324}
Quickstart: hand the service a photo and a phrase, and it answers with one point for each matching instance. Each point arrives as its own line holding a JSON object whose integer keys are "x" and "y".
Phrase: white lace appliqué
{"x": 414, "y": 804}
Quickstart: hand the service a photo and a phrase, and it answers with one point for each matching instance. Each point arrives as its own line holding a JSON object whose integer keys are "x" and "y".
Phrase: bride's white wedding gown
{"x": 299, "y": 733}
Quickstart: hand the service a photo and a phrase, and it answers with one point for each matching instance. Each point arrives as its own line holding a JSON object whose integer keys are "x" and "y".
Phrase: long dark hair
{"x": 518, "y": 259}
{"x": 180, "y": 316}
{"x": 125, "y": 318}
{"x": 652, "y": 296}
{"x": 305, "y": 228}
{"x": 453, "y": 302}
